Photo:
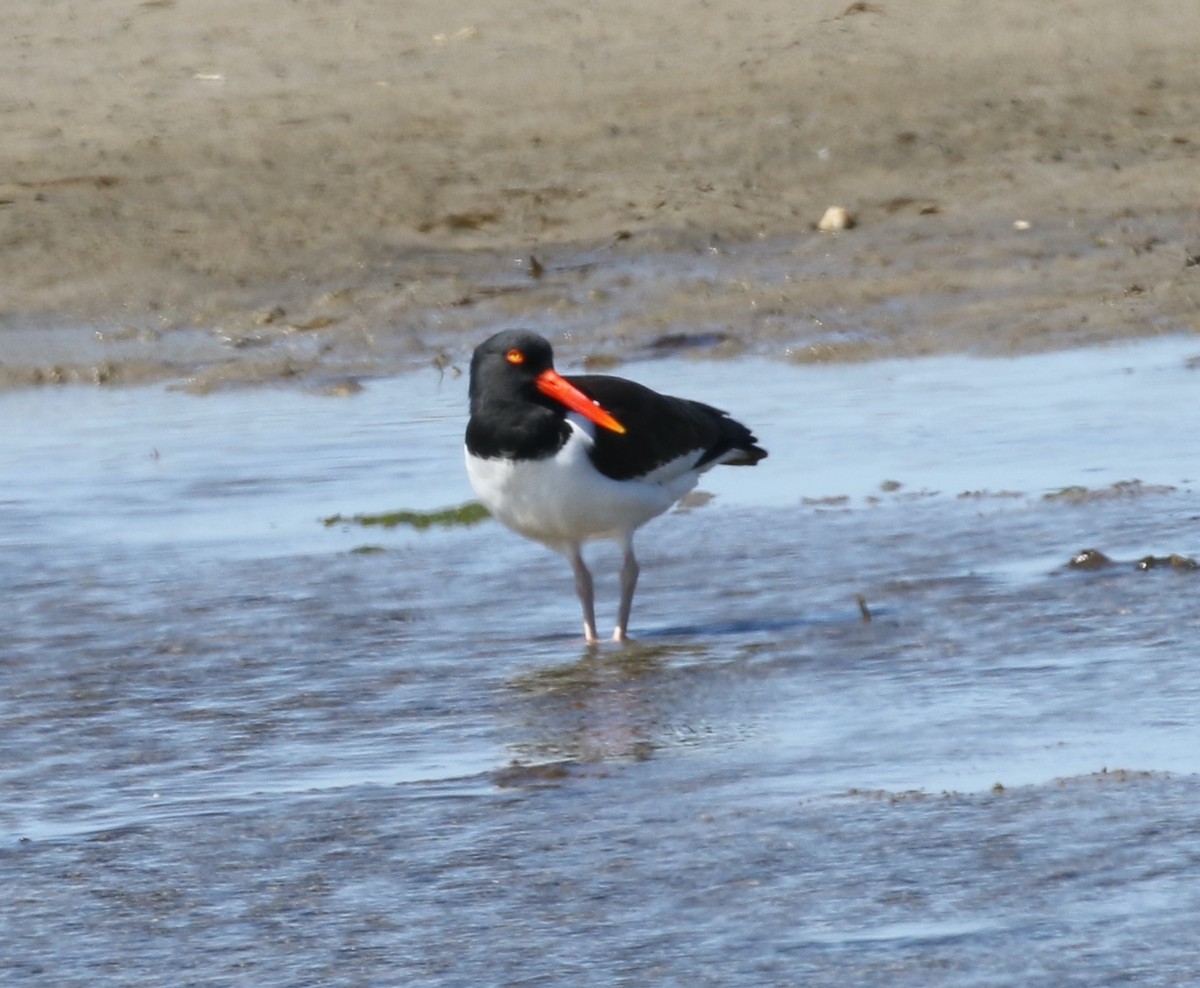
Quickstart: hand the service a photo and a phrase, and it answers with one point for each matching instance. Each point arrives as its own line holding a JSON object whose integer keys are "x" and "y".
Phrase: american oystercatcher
{"x": 564, "y": 460}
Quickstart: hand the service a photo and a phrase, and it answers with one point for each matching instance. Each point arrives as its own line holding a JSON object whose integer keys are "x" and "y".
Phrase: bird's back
{"x": 669, "y": 431}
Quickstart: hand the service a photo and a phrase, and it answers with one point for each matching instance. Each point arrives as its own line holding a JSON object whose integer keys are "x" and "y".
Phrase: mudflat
{"x": 237, "y": 191}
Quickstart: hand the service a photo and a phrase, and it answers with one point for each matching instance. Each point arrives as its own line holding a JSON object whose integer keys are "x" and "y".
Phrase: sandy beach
{"x": 213, "y": 193}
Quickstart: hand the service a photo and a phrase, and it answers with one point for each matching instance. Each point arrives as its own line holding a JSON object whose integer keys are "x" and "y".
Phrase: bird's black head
{"x": 508, "y": 365}
{"x": 513, "y": 384}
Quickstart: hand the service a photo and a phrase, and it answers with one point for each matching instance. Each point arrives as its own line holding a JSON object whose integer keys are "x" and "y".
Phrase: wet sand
{"x": 207, "y": 193}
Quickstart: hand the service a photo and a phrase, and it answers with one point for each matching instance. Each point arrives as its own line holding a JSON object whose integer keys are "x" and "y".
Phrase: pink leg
{"x": 583, "y": 589}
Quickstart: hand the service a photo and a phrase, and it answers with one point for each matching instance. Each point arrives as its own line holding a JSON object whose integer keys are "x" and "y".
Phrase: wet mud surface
{"x": 360, "y": 188}
{"x": 911, "y": 287}
{"x": 238, "y": 748}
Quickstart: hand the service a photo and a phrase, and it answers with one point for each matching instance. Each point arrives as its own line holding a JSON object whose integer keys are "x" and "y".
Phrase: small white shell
{"x": 836, "y": 218}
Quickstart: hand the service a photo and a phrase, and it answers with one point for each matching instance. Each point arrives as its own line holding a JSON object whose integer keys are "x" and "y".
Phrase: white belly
{"x": 563, "y": 500}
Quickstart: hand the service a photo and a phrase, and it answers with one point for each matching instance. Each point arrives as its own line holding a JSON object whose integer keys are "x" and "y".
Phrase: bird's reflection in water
{"x": 612, "y": 704}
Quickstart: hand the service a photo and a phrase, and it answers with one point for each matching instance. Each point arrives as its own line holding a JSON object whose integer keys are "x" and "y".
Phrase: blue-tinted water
{"x": 239, "y": 752}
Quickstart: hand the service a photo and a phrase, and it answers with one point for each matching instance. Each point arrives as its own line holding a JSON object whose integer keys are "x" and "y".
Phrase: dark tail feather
{"x": 737, "y": 446}
{"x": 747, "y": 456}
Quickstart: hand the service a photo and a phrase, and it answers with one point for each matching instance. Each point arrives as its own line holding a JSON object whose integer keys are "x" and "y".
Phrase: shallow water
{"x": 239, "y": 752}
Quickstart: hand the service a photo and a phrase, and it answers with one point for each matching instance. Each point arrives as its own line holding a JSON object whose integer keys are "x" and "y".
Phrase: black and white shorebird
{"x": 565, "y": 460}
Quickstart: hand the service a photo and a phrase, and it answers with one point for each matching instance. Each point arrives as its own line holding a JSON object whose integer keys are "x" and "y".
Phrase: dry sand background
{"x": 228, "y": 190}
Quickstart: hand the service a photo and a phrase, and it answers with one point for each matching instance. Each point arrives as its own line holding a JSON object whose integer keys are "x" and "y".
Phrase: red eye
{"x": 515, "y": 356}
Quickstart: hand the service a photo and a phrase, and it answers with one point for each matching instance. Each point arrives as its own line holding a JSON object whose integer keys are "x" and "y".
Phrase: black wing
{"x": 660, "y": 429}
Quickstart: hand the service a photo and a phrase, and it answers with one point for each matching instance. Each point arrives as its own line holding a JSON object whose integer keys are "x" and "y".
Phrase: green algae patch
{"x": 470, "y": 513}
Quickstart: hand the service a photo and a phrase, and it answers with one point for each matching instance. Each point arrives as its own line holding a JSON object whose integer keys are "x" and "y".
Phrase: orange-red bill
{"x": 554, "y": 385}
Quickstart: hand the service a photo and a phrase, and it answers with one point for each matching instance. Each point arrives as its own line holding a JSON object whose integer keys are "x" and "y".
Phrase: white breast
{"x": 563, "y": 500}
